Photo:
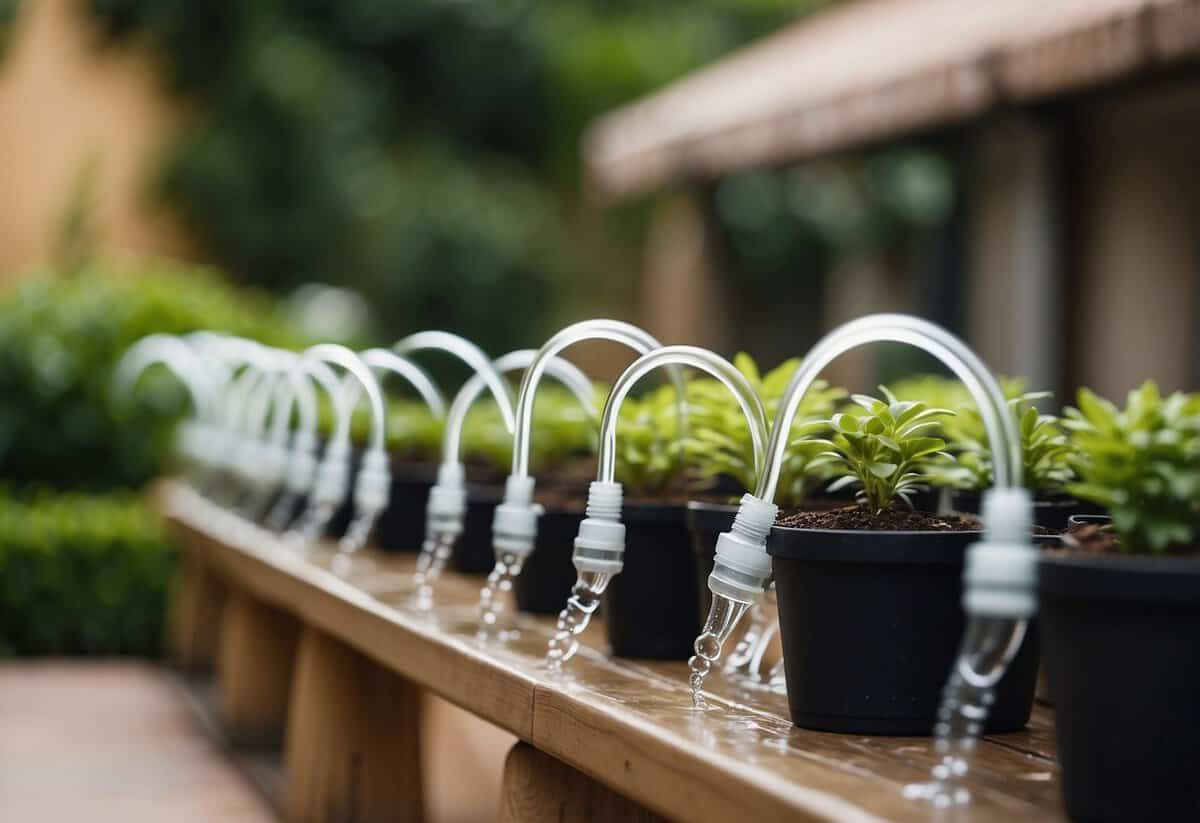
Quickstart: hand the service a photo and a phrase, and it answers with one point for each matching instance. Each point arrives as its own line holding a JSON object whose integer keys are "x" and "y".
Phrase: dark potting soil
{"x": 856, "y": 518}
{"x": 1096, "y": 538}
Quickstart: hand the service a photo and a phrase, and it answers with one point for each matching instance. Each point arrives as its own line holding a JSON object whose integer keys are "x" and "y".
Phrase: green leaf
{"x": 883, "y": 471}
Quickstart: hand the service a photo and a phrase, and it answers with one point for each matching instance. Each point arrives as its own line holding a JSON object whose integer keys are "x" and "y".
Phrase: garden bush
{"x": 81, "y": 575}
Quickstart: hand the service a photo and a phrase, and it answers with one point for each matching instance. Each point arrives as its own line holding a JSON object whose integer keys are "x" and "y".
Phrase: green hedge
{"x": 60, "y": 339}
{"x": 83, "y": 564}
{"x": 81, "y": 575}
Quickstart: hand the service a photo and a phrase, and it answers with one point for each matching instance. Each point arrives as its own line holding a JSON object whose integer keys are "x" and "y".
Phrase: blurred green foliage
{"x": 562, "y": 431}
{"x": 1142, "y": 463}
{"x": 84, "y": 564}
{"x": 1045, "y": 451}
{"x": 81, "y": 574}
{"x": 60, "y": 424}
{"x": 719, "y": 441}
{"x": 425, "y": 152}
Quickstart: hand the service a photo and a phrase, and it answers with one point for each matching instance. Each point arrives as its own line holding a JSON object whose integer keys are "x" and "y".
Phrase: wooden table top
{"x": 629, "y": 724}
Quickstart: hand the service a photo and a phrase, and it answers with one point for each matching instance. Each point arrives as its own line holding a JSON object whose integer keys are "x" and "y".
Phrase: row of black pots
{"x": 650, "y": 607}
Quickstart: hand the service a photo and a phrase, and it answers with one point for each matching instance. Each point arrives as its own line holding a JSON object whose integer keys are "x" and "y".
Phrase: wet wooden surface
{"x": 628, "y": 724}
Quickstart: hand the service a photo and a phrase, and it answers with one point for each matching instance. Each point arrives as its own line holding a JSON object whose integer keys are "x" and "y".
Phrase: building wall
{"x": 1137, "y": 219}
{"x": 70, "y": 110}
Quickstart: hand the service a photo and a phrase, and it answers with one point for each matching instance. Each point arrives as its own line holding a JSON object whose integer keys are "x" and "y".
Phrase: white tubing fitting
{"x": 447, "y": 506}
{"x": 742, "y": 566}
{"x": 514, "y": 526}
{"x": 373, "y": 487}
{"x": 333, "y": 474}
{"x": 600, "y": 544}
{"x": 274, "y": 464}
{"x": 302, "y": 463}
{"x": 1000, "y": 577}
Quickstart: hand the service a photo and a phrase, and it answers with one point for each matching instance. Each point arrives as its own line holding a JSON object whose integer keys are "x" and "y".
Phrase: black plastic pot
{"x": 650, "y": 607}
{"x": 870, "y": 624}
{"x": 1052, "y": 513}
{"x": 548, "y": 573}
{"x": 705, "y": 521}
{"x": 1122, "y": 640}
{"x": 473, "y": 553}
{"x": 401, "y": 526}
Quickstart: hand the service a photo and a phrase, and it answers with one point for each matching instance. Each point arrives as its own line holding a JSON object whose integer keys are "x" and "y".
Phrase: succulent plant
{"x": 1142, "y": 463}
{"x": 885, "y": 450}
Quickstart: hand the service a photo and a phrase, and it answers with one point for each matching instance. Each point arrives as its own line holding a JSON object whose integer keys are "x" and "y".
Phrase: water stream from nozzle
{"x": 600, "y": 546}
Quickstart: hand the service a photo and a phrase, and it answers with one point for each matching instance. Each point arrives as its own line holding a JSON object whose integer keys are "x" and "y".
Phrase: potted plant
{"x": 870, "y": 594}
{"x": 721, "y": 451}
{"x": 1120, "y": 612}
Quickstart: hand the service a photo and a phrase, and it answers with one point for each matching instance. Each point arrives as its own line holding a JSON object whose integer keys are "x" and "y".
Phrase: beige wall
{"x": 1138, "y": 284}
{"x": 65, "y": 105}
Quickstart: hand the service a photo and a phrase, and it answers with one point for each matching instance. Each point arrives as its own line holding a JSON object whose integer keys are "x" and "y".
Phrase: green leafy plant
{"x": 1142, "y": 463}
{"x": 650, "y": 453}
{"x": 1045, "y": 451}
{"x": 885, "y": 450}
{"x": 562, "y": 430}
{"x": 81, "y": 574}
{"x": 719, "y": 443}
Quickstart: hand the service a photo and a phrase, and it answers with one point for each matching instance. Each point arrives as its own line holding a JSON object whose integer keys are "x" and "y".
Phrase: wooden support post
{"x": 540, "y": 789}
{"x": 352, "y": 750}
{"x": 254, "y": 669}
{"x": 195, "y": 620}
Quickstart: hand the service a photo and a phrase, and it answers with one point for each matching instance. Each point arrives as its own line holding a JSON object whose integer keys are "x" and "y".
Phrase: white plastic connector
{"x": 514, "y": 526}
{"x": 600, "y": 544}
{"x": 302, "y": 463}
{"x": 333, "y": 475}
{"x": 742, "y": 566}
{"x": 373, "y": 487}
{"x": 274, "y": 465}
{"x": 249, "y": 461}
{"x": 447, "y": 506}
{"x": 1000, "y": 578}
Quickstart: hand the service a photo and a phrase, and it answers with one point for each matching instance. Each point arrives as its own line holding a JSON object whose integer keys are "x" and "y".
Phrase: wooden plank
{"x": 353, "y": 742}
{"x": 540, "y": 789}
{"x": 194, "y": 623}
{"x": 628, "y": 725}
{"x": 254, "y": 669}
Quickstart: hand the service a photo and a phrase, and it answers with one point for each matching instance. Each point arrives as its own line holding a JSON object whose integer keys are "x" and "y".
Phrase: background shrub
{"x": 81, "y": 574}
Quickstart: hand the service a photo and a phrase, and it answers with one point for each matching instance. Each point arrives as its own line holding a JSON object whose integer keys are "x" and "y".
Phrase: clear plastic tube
{"x": 963, "y": 362}
{"x": 467, "y": 352}
{"x": 447, "y": 499}
{"x": 614, "y": 330}
{"x": 603, "y": 558}
{"x": 177, "y": 356}
{"x": 562, "y": 370}
{"x": 514, "y": 529}
{"x": 899, "y": 328}
{"x": 332, "y": 475}
{"x": 385, "y": 360}
{"x": 303, "y": 456}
